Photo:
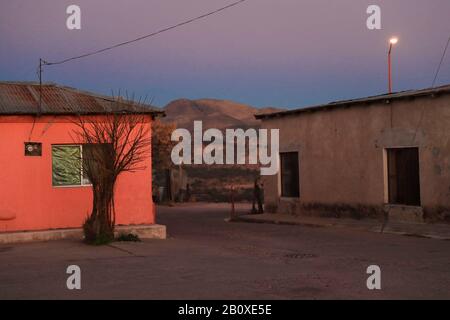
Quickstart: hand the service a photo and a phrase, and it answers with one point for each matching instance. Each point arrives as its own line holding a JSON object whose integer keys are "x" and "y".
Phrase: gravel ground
{"x": 207, "y": 258}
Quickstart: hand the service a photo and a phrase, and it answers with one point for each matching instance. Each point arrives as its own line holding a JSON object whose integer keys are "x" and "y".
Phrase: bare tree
{"x": 112, "y": 144}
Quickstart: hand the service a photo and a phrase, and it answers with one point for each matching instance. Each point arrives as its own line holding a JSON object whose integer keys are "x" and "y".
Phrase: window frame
{"x": 82, "y": 184}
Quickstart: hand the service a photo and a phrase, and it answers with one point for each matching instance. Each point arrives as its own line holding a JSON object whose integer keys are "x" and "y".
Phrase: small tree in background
{"x": 162, "y": 144}
{"x": 113, "y": 144}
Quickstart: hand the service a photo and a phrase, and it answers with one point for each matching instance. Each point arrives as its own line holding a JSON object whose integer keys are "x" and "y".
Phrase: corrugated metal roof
{"x": 361, "y": 102}
{"x": 22, "y": 98}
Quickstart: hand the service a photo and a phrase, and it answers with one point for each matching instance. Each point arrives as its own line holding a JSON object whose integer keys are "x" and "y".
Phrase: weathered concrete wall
{"x": 341, "y": 161}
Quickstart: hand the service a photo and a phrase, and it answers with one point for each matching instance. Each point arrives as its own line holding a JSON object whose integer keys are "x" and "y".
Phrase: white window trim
{"x": 81, "y": 185}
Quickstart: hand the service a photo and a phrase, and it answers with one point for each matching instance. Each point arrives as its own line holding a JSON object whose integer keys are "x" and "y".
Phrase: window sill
{"x": 72, "y": 186}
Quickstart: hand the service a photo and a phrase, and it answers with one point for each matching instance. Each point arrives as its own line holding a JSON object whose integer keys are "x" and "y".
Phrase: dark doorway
{"x": 290, "y": 186}
{"x": 403, "y": 176}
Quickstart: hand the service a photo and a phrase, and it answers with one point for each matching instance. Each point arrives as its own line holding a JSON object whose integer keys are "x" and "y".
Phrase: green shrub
{"x": 128, "y": 237}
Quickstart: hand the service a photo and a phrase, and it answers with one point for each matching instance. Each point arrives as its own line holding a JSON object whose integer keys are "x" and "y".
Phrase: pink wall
{"x": 28, "y": 201}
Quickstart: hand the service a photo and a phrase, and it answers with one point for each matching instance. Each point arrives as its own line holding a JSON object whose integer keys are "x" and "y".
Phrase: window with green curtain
{"x": 66, "y": 165}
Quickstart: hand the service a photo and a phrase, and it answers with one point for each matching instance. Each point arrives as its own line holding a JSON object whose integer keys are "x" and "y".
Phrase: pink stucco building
{"x": 35, "y": 124}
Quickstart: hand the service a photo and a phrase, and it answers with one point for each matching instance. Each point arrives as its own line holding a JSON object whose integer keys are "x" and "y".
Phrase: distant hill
{"x": 213, "y": 113}
{"x": 212, "y": 183}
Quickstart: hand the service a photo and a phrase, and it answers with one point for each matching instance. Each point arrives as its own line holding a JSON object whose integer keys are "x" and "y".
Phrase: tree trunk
{"x": 99, "y": 227}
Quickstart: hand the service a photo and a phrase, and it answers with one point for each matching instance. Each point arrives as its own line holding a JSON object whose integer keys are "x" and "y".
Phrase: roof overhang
{"x": 385, "y": 98}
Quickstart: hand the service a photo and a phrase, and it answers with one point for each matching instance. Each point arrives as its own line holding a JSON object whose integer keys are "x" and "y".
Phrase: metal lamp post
{"x": 392, "y": 42}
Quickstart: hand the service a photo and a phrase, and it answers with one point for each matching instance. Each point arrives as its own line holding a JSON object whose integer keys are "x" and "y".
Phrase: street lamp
{"x": 392, "y": 42}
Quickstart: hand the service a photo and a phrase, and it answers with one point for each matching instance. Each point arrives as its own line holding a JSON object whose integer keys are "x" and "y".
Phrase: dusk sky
{"x": 282, "y": 53}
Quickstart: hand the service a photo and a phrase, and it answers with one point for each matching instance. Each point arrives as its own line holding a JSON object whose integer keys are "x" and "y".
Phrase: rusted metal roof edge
{"x": 362, "y": 101}
{"x": 130, "y": 107}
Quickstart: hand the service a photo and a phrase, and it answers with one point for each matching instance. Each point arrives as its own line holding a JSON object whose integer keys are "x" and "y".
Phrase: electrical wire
{"x": 432, "y": 86}
{"x": 49, "y": 63}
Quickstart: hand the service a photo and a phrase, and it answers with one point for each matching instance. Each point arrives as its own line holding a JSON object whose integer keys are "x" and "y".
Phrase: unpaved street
{"x": 205, "y": 257}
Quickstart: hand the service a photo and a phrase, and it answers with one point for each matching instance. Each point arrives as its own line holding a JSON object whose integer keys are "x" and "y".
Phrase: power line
{"x": 146, "y": 36}
{"x": 432, "y": 86}
{"x": 440, "y": 63}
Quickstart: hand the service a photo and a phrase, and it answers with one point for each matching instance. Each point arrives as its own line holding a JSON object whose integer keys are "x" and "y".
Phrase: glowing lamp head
{"x": 393, "y": 41}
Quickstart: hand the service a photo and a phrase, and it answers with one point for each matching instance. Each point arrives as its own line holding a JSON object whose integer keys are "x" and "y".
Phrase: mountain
{"x": 213, "y": 113}
{"x": 212, "y": 183}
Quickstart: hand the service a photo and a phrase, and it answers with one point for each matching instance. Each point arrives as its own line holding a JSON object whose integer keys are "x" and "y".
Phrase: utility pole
{"x": 40, "y": 86}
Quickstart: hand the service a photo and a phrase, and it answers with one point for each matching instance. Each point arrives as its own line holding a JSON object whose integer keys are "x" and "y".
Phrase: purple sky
{"x": 285, "y": 53}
